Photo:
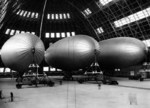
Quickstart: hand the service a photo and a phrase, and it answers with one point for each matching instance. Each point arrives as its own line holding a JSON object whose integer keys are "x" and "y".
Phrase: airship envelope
{"x": 72, "y": 53}
{"x": 21, "y": 50}
{"x": 121, "y": 52}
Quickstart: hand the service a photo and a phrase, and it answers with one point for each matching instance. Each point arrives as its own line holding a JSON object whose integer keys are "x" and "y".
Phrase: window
{"x": 21, "y": 13}
{"x": 7, "y": 69}
{"x": 148, "y": 10}
{"x": 145, "y": 13}
{"x": 104, "y": 2}
{"x": 17, "y": 31}
{"x": 7, "y": 31}
{"x": 57, "y": 35}
{"x": 72, "y": 33}
{"x": 100, "y": 30}
{"x": 141, "y": 15}
{"x": 56, "y": 16}
{"x": 1, "y": 70}
{"x": 33, "y": 33}
{"x": 64, "y": 15}
{"x": 48, "y": 16}
{"x": 52, "y": 69}
{"x": 22, "y": 31}
{"x": 62, "y": 34}
{"x": 28, "y": 14}
{"x": 32, "y": 16}
{"x": 25, "y": 13}
{"x": 136, "y": 17}
{"x": 45, "y": 68}
{"x": 87, "y": 11}
{"x": 147, "y": 42}
{"x": 36, "y": 15}
{"x": 68, "y": 15}
{"x": 52, "y": 16}
{"x": 12, "y": 32}
{"x": 18, "y": 12}
{"x": 59, "y": 70}
{"x": 60, "y": 16}
{"x": 52, "y": 35}
{"x": 13, "y": 71}
{"x": 47, "y": 35}
{"x": 68, "y": 34}
{"x": 132, "y": 18}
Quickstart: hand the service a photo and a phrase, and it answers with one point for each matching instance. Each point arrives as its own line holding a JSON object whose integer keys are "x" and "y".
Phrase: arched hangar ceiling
{"x": 101, "y": 19}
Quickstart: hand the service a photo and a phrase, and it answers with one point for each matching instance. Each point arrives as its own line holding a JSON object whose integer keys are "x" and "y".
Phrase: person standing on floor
{"x": 11, "y": 96}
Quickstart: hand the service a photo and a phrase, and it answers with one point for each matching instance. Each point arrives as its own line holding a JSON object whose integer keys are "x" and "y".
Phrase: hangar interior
{"x": 56, "y": 21}
{"x": 52, "y": 20}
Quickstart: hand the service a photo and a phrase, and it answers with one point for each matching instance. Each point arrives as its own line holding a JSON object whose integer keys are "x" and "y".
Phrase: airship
{"x": 121, "y": 52}
{"x": 21, "y": 50}
{"x": 72, "y": 53}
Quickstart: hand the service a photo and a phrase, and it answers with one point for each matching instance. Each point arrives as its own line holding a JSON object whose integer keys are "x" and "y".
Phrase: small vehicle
{"x": 34, "y": 79}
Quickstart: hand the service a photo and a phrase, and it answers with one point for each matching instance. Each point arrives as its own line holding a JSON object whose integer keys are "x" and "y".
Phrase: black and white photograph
{"x": 74, "y": 53}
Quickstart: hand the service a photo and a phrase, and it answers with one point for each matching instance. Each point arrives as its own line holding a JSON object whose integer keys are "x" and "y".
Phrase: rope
{"x": 41, "y": 25}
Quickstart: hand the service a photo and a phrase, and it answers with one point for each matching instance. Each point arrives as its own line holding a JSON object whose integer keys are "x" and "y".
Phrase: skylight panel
{"x": 47, "y": 35}
{"x": 87, "y": 11}
{"x": 136, "y": 17}
{"x": 147, "y": 42}
{"x": 123, "y": 20}
{"x": 145, "y": 13}
{"x": 7, "y": 31}
{"x": 104, "y": 2}
{"x": 140, "y": 15}
{"x": 133, "y": 17}
{"x": 117, "y": 23}
{"x": 148, "y": 10}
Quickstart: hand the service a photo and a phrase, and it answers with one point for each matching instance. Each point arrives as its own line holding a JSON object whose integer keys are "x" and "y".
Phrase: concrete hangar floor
{"x": 71, "y": 94}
